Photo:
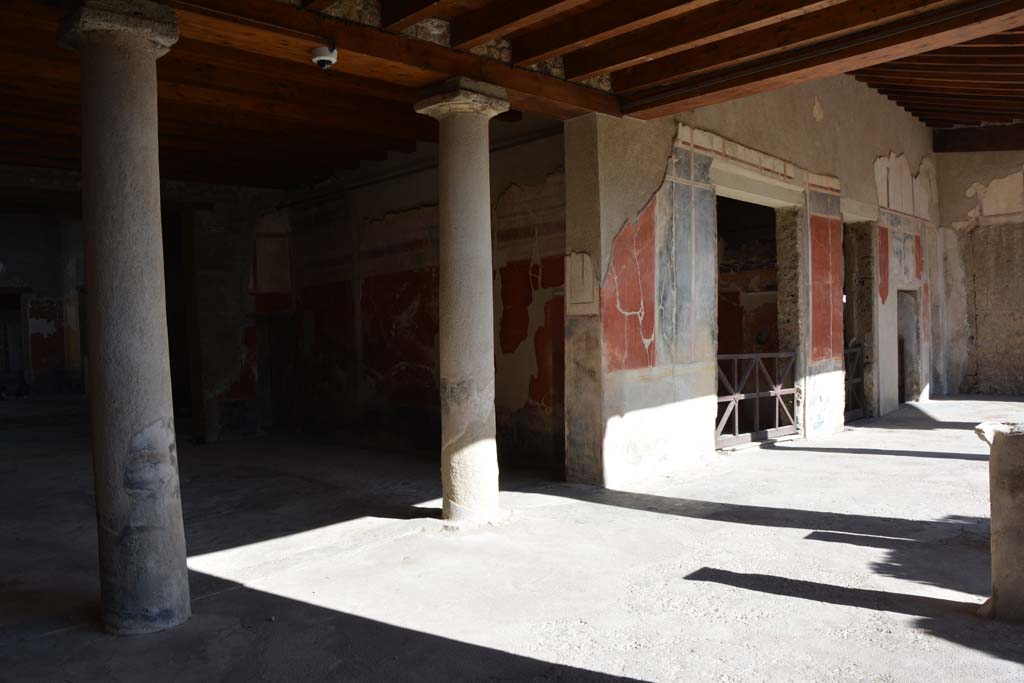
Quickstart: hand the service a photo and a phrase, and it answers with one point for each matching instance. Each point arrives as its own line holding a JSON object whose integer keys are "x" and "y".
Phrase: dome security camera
{"x": 325, "y": 57}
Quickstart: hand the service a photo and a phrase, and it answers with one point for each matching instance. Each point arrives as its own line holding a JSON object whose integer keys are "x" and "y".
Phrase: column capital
{"x": 144, "y": 19}
{"x": 463, "y": 96}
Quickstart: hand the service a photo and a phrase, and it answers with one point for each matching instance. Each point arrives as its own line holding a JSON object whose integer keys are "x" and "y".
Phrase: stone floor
{"x": 857, "y": 557}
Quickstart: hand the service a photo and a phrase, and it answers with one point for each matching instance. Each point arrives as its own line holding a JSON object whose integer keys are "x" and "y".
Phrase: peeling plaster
{"x": 1000, "y": 197}
{"x": 901, "y": 190}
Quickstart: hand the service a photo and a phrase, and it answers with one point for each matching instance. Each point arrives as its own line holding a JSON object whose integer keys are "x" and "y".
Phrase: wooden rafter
{"x": 501, "y": 18}
{"x": 396, "y": 15}
{"x": 277, "y": 30}
{"x": 901, "y": 39}
{"x": 713, "y": 22}
{"x": 598, "y": 24}
{"x": 986, "y": 139}
{"x": 806, "y": 29}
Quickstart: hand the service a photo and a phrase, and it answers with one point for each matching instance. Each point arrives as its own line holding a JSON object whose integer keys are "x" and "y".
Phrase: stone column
{"x": 1006, "y": 484}
{"x": 469, "y": 458}
{"x": 143, "y": 576}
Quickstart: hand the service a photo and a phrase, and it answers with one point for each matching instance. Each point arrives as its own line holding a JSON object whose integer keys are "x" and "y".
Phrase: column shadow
{"x": 240, "y": 634}
{"x": 947, "y": 619}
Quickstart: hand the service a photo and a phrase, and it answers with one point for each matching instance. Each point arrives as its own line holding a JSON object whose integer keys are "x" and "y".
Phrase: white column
{"x": 143, "y": 576}
{"x": 469, "y": 458}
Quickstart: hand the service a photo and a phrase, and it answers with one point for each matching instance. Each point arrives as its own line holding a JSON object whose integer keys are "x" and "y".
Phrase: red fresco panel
{"x": 46, "y": 336}
{"x": 925, "y": 312}
{"x": 883, "y": 262}
{"x": 918, "y": 257}
{"x": 821, "y": 288}
{"x": 516, "y": 297}
{"x": 548, "y": 385}
{"x": 836, "y": 230}
{"x": 627, "y": 296}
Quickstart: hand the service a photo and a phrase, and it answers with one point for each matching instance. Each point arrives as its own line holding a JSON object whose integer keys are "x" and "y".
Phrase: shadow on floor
{"x": 911, "y": 416}
{"x": 947, "y": 619}
{"x": 952, "y": 552}
{"x": 240, "y": 634}
{"x": 977, "y": 457}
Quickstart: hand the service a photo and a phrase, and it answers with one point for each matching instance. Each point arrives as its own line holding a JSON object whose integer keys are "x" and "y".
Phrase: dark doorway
{"x": 177, "y": 313}
{"x": 748, "y": 313}
{"x": 755, "y": 379}
{"x": 12, "y": 353}
{"x": 908, "y": 330}
{"x": 858, "y": 318}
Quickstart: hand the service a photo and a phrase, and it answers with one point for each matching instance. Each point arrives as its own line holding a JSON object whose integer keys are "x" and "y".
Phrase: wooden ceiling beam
{"x": 925, "y": 79}
{"x": 988, "y": 107}
{"x": 1014, "y": 91}
{"x": 996, "y": 40}
{"x": 964, "y": 116}
{"x": 501, "y": 18}
{"x": 901, "y": 67}
{"x": 318, "y": 5}
{"x": 394, "y": 122}
{"x": 911, "y": 96}
{"x": 396, "y": 15}
{"x": 595, "y": 25}
{"x": 901, "y": 39}
{"x": 285, "y": 32}
{"x": 986, "y": 139}
{"x": 998, "y": 85}
{"x": 980, "y": 61}
{"x": 713, "y": 22}
{"x": 958, "y": 50}
{"x": 806, "y": 29}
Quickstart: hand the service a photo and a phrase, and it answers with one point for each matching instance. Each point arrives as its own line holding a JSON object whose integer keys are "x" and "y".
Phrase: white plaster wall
{"x": 858, "y": 126}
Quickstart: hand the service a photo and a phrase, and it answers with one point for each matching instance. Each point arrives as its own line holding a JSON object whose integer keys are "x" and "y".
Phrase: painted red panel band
{"x": 883, "y": 262}
{"x": 627, "y": 296}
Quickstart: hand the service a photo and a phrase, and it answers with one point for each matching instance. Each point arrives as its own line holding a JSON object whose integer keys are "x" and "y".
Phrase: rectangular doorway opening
{"x": 908, "y": 336}
{"x": 858, "y": 318}
{"x": 756, "y": 391}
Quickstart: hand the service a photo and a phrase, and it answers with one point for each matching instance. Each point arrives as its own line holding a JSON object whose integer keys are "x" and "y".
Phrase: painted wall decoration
{"x": 883, "y": 263}
{"x": 627, "y": 296}
{"x": 826, "y": 277}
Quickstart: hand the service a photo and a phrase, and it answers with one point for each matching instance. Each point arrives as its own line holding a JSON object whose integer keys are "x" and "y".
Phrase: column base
{"x": 136, "y": 625}
{"x": 458, "y": 517}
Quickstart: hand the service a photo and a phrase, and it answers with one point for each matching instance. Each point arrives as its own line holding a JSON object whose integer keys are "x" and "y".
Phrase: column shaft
{"x": 469, "y": 456}
{"x": 143, "y": 575}
{"x": 469, "y": 451}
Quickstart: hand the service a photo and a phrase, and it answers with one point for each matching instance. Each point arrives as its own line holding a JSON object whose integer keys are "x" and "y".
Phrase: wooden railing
{"x": 853, "y": 366}
{"x": 756, "y": 397}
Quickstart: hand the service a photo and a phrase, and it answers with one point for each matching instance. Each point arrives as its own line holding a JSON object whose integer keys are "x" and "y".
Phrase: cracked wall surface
{"x": 983, "y": 220}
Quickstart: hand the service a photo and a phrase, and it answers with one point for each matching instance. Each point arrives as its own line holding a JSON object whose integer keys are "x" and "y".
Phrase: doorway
{"x": 176, "y": 289}
{"x": 908, "y": 335}
{"x": 755, "y": 376}
{"x": 12, "y": 353}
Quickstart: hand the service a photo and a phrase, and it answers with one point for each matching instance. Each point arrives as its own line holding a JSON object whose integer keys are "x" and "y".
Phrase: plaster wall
{"x": 226, "y": 313}
{"x": 835, "y": 126}
{"x": 41, "y": 260}
{"x": 621, "y": 173}
{"x": 365, "y": 274}
{"x": 983, "y": 259}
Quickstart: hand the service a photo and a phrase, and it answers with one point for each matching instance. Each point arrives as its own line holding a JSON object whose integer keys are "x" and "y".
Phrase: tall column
{"x": 143, "y": 576}
{"x": 469, "y": 457}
